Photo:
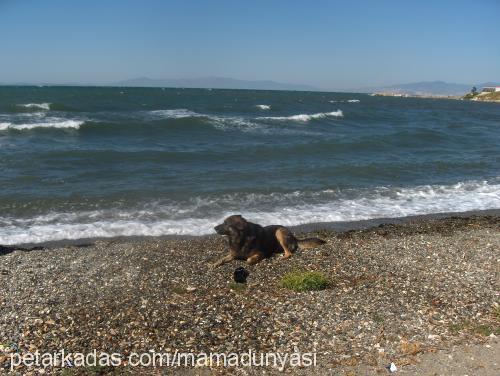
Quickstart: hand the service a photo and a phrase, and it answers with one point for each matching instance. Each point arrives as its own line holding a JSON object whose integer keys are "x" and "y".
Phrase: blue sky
{"x": 328, "y": 44}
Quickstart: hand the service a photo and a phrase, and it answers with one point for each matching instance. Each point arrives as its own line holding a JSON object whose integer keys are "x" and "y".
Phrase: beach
{"x": 397, "y": 293}
{"x": 117, "y": 190}
{"x": 182, "y": 192}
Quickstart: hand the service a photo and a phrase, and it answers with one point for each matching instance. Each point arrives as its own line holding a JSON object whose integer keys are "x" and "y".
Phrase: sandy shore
{"x": 397, "y": 293}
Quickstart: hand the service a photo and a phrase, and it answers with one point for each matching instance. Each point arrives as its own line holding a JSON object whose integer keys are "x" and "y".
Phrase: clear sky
{"x": 329, "y": 44}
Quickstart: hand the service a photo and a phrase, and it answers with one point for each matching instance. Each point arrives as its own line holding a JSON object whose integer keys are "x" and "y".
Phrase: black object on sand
{"x": 6, "y": 249}
{"x": 240, "y": 275}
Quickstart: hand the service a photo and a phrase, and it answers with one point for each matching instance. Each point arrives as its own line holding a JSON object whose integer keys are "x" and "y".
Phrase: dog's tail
{"x": 310, "y": 243}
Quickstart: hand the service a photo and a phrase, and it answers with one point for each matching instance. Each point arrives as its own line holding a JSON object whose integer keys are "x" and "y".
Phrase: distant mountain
{"x": 423, "y": 88}
{"x": 212, "y": 83}
{"x": 431, "y": 88}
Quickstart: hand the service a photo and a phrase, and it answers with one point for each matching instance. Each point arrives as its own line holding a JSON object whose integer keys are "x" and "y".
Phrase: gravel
{"x": 396, "y": 291}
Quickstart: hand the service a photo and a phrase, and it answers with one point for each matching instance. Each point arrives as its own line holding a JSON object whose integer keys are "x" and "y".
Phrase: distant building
{"x": 490, "y": 89}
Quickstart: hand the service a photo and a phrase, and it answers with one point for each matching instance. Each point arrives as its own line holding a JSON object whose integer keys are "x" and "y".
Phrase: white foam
{"x": 232, "y": 123}
{"x": 49, "y": 123}
{"x": 292, "y": 208}
{"x": 305, "y": 117}
{"x": 387, "y": 203}
{"x": 263, "y": 106}
{"x": 42, "y": 106}
{"x": 31, "y": 115}
{"x": 226, "y": 123}
{"x": 239, "y": 123}
{"x": 4, "y": 126}
{"x": 176, "y": 113}
{"x": 348, "y": 101}
{"x": 218, "y": 122}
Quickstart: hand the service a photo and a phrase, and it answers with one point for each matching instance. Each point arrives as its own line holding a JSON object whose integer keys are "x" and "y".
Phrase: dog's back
{"x": 275, "y": 238}
{"x": 270, "y": 243}
{"x": 254, "y": 242}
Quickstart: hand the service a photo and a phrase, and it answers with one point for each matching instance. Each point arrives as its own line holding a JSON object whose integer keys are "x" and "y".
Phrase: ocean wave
{"x": 177, "y": 113}
{"x": 220, "y": 122}
{"x": 198, "y": 215}
{"x": 4, "y": 126}
{"x": 348, "y": 101}
{"x": 226, "y": 123}
{"x": 26, "y": 108}
{"x": 161, "y": 121}
{"x": 263, "y": 106}
{"x": 41, "y": 106}
{"x": 254, "y": 126}
{"x": 305, "y": 117}
{"x": 48, "y": 123}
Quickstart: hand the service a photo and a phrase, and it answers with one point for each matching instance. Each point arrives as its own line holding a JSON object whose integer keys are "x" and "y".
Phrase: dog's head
{"x": 234, "y": 224}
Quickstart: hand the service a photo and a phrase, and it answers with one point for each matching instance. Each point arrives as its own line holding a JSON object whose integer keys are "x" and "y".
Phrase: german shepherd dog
{"x": 252, "y": 242}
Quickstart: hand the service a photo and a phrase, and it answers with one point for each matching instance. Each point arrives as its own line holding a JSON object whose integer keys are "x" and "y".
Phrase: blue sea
{"x": 84, "y": 162}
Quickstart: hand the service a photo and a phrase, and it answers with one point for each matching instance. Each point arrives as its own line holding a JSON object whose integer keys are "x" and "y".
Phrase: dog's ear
{"x": 238, "y": 221}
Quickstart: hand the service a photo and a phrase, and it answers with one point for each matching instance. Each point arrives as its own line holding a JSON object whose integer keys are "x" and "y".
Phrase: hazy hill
{"x": 213, "y": 83}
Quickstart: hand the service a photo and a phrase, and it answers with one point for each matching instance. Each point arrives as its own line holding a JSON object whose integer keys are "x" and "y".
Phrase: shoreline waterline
{"x": 341, "y": 226}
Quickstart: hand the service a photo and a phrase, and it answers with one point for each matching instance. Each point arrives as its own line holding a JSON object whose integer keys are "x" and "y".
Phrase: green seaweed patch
{"x": 237, "y": 287}
{"x": 480, "y": 329}
{"x": 456, "y": 328}
{"x": 496, "y": 312}
{"x": 304, "y": 281}
{"x": 486, "y": 330}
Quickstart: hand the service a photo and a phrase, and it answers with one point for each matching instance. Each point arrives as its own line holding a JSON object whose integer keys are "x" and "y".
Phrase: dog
{"x": 253, "y": 243}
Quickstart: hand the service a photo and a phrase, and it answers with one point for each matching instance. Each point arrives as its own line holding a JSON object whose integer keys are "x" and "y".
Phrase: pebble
{"x": 139, "y": 295}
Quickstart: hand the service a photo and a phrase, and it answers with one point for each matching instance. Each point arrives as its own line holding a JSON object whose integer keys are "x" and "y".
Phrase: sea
{"x": 91, "y": 162}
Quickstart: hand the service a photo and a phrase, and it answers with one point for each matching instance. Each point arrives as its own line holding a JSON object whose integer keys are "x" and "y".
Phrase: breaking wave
{"x": 305, "y": 117}
{"x": 222, "y": 123}
{"x": 49, "y": 123}
{"x": 348, "y": 101}
{"x": 4, "y": 126}
{"x": 174, "y": 113}
{"x": 181, "y": 117}
{"x": 198, "y": 215}
{"x": 40, "y": 106}
{"x": 263, "y": 106}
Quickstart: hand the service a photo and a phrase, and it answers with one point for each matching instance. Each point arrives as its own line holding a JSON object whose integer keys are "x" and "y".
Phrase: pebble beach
{"x": 396, "y": 292}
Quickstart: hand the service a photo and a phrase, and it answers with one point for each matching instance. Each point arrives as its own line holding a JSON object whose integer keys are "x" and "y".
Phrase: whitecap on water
{"x": 305, "y": 117}
{"x": 42, "y": 106}
{"x": 176, "y": 113}
{"x": 48, "y": 123}
{"x": 289, "y": 209}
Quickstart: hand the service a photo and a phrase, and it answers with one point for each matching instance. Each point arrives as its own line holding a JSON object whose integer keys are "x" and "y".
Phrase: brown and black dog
{"x": 252, "y": 242}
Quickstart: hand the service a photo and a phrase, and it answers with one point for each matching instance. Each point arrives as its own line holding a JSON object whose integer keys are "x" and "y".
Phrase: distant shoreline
{"x": 312, "y": 90}
{"x": 424, "y": 96}
{"x": 430, "y": 96}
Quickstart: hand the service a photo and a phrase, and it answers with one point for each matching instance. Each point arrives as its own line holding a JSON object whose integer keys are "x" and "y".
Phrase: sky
{"x": 329, "y": 44}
